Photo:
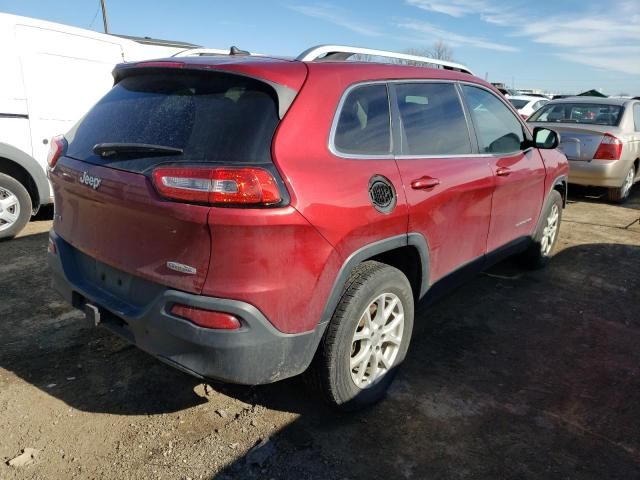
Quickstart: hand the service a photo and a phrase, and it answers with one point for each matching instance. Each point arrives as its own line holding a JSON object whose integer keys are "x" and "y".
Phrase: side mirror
{"x": 545, "y": 138}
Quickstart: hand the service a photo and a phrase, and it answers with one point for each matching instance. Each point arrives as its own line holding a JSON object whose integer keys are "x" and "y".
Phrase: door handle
{"x": 503, "y": 171}
{"x": 424, "y": 183}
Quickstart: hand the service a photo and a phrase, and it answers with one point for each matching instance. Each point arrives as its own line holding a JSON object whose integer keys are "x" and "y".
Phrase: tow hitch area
{"x": 92, "y": 314}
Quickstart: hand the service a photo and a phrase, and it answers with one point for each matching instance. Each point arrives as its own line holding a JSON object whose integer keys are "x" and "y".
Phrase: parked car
{"x": 601, "y": 139}
{"x": 207, "y": 217}
{"x": 51, "y": 75}
{"x": 527, "y": 104}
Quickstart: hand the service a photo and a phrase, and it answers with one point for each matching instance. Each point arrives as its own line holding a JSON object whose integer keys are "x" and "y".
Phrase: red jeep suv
{"x": 248, "y": 218}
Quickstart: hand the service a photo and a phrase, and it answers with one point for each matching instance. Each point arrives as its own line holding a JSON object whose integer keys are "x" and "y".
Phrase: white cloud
{"x": 604, "y": 62}
{"x": 614, "y": 27}
{"x": 454, "y": 39}
{"x": 337, "y": 16}
{"x": 453, "y": 8}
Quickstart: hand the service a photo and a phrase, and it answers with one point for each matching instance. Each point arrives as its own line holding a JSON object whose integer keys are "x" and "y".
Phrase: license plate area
{"x": 112, "y": 280}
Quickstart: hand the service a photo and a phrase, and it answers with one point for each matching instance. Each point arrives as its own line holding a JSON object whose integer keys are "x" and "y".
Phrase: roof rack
{"x": 342, "y": 52}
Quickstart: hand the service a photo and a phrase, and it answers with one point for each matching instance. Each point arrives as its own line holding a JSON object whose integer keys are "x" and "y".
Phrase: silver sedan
{"x": 601, "y": 139}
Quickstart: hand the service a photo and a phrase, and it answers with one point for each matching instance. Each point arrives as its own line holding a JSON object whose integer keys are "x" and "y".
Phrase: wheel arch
{"x": 409, "y": 253}
{"x": 561, "y": 185}
{"x": 26, "y": 170}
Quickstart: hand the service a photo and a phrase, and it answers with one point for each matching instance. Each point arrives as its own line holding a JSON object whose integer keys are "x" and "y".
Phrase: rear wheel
{"x": 621, "y": 194}
{"x": 367, "y": 338}
{"x": 15, "y": 206}
{"x": 546, "y": 236}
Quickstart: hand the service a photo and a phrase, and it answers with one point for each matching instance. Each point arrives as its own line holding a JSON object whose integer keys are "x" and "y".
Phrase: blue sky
{"x": 565, "y": 46}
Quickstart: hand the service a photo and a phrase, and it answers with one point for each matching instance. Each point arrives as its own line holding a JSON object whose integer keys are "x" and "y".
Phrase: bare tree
{"x": 439, "y": 51}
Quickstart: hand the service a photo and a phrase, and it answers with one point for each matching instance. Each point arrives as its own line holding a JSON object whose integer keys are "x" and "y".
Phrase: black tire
{"x": 330, "y": 372}
{"x": 621, "y": 194}
{"x": 10, "y": 184}
{"x": 536, "y": 256}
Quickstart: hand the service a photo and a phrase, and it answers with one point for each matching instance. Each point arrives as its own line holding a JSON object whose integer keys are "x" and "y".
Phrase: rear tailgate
{"x": 106, "y": 203}
{"x": 123, "y": 223}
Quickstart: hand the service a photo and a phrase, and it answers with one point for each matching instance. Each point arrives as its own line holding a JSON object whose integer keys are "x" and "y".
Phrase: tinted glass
{"x": 539, "y": 104}
{"x": 518, "y": 104}
{"x": 212, "y": 117}
{"x": 636, "y": 116}
{"x": 498, "y": 130}
{"x": 364, "y": 125}
{"x": 587, "y": 113}
{"x": 433, "y": 120}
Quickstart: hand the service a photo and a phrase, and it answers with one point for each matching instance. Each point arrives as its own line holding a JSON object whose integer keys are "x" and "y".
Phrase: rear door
{"x": 106, "y": 205}
{"x": 519, "y": 173}
{"x": 448, "y": 186}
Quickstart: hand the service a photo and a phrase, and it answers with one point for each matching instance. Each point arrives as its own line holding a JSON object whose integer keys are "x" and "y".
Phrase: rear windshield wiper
{"x": 142, "y": 149}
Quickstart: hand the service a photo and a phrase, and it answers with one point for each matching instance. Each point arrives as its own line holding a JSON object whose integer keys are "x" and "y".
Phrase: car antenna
{"x": 237, "y": 51}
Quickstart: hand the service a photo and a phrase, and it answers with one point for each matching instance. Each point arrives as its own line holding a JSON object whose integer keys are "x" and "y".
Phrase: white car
{"x": 51, "y": 75}
{"x": 526, "y": 105}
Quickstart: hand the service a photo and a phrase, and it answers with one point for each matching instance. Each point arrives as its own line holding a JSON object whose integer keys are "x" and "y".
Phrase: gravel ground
{"x": 514, "y": 375}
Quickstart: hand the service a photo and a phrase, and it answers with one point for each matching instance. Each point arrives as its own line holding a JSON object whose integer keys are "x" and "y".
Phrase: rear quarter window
{"x": 212, "y": 117}
{"x": 364, "y": 122}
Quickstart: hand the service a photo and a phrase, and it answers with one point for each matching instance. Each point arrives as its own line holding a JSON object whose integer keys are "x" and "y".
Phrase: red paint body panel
{"x": 518, "y": 197}
{"x": 330, "y": 191}
{"x": 454, "y": 215}
{"x": 125, "y": 224}
{"x": 273, "y": 259}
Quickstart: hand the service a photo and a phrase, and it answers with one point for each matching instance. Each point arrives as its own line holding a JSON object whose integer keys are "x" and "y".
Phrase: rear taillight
{"x": 610, "y": 148}
{"x": 243, "y": 186}
{"x": 56, "y": 149}
{"x": 206, "y": 318}
{"x": 523, "y": 116}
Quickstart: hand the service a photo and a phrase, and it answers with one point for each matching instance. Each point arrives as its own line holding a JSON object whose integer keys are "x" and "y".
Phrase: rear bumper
{"x": 598, "y": 173}
{"x": 255, "y": 354}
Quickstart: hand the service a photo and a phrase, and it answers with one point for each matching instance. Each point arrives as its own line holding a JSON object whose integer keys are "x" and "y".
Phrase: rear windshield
{"x": 518, "y": 104}
{"x": 212, "y": 117}
{"x": 588, "y": 113}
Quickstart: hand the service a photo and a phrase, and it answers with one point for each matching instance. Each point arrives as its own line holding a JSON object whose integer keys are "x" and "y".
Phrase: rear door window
{"x": 432, "y": 118}
{"x": 497, "y": 128}
{"x": 636, "y": 116}
{"x": 364, "y": 122}
{"x": 212, "y": 117}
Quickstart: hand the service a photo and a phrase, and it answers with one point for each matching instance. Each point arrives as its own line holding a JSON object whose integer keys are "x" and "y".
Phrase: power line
{"x": 95, "y": 15}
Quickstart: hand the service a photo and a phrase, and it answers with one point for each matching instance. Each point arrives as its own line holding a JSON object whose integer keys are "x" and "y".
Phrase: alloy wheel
{"x": 550, "y": 230}
{"x": 376, "y": 340}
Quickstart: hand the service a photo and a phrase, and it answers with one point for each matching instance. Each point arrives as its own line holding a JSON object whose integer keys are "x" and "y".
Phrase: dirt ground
{"x": 514, "y": 375}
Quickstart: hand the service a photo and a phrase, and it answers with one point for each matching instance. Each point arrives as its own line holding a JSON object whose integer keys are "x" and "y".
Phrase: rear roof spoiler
{"x": 284, "y": 94}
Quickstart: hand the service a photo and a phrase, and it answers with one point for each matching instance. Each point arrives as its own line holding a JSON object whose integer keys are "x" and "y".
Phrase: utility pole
{"x": 105, "y": 20}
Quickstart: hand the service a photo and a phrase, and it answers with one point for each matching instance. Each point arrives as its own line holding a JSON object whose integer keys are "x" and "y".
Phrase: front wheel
{"x": 15, "y": 206}
{"x": 546, "y": 235}
{"x": 367, "y": 338}
{"x": 621, "y": 194}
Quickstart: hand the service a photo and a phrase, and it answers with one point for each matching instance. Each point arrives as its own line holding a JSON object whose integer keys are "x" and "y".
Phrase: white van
{"x": 51, "y": 75}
